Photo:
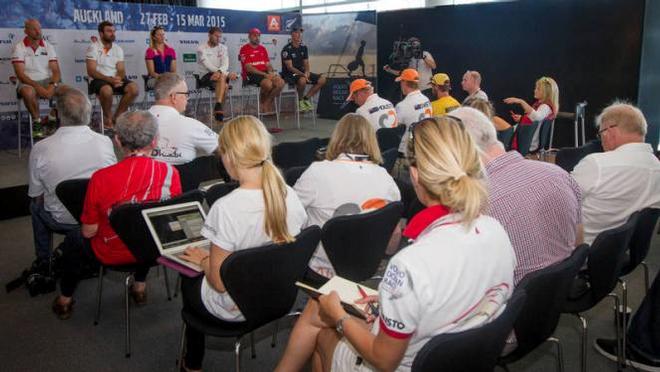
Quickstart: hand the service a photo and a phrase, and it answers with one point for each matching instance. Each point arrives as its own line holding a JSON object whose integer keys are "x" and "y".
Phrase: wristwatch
{"x": 340, "y": 324}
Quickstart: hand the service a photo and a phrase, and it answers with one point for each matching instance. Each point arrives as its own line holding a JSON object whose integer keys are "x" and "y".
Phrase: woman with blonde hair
{"x": 486, "y": 107}
{"x": 261, "y": 210}
{"x": 546, "y": 106}
{"x": 350, "y": 180}
{"x": 159, "y": 57}
{"x": 457, "y": 274}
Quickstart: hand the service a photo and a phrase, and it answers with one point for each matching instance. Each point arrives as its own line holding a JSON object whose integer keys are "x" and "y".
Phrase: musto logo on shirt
{"x": 393, "y": 324}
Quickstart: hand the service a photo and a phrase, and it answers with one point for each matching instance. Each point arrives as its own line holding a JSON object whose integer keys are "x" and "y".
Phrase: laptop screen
{"x": 177, "y": 226}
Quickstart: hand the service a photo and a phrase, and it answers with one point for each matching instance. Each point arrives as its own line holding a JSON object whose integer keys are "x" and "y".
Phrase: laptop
{"x": 175, "y": 228}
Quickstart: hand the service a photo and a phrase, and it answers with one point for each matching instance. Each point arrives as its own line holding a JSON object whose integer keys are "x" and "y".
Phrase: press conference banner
{"x": 69, "y": 26}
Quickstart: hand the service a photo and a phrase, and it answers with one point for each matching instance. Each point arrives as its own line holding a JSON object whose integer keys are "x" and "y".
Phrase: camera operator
{"x": 422, "y": 61}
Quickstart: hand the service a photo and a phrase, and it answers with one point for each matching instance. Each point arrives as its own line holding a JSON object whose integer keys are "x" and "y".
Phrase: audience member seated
{"x": 73, "y": 151}
{"x": 441, "y": 87}
{"x": 457, "y": 275}
{"x": 471, "y": 84}
{"x": 622, "y": 180}
{"x": 486, "y": 107}
{"x": 378, "y": 111}
{"x": 137, "y": 178}
{"x": 546, "y": 107}
{"x": 106, "y": 68}
{"x": 349, "y": 181}
{"x": 180, "y": 139}
{"x": 262, "y": 210}
{"x": 258, "y": 71}
{"x": 159, "y": 57}
{"x": 538, "y": 203}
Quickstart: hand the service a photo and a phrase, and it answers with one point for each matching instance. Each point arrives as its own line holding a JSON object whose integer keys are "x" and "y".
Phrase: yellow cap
{"x": 439, "y": 79}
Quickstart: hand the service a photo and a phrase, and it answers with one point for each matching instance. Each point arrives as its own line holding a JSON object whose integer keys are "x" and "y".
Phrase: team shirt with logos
{"x": 106, "y": 59}
{"x": 413, "y": 108}
{"x": 181, "y": 139}
{"x": 236, "y": 222}
{"x": 297, "y": 56}
{"x": 379, "y": 112}
{"x": 332, "y": 188}
{"x": 35, "y": 60}
{"x": 212, "y": 59}
{"x": 257, "y": 57}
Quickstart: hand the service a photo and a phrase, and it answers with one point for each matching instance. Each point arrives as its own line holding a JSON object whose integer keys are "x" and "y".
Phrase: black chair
{"x": 204, "y": 168}
{"x": 568, "y": 158}
{"x": 547, "y": 127}
{"x": 72, "y": 195}
{"x": 261, "y": 298}
{"x": 291, "y": 175}
{"x": 525, "y": 134}
{"x": 640, "y": 242}
{"x": 390, "y": 137}
{"x": 218, "y": 191}
{"x": 355, "y": 244}
{"x": 547, "y": 290}
{"x": 128, "y": 223}
{"x": 604, "y": 263}
{"x": 295, "y": 154}
{"x": 323, "y": 142}
{"x": 505, "y": 136}
{"x": 389, "y": 158}
{"x": 474, "y": 350}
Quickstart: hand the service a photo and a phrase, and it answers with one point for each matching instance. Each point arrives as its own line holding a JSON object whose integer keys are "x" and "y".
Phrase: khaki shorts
{"x": 44, "y": 83}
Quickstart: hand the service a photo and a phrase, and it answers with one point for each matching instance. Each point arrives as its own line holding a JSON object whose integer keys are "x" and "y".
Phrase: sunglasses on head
{"x": 413, "y": 126}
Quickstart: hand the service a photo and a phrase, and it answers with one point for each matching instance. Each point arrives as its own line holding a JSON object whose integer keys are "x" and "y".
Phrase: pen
{"x": 374, "y": 310}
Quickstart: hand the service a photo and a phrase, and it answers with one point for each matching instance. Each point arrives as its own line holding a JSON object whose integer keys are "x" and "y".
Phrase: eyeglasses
{"x": 187, "y": 94}
{"x": 600, "y": 132}
{"x": 411, "y": 133}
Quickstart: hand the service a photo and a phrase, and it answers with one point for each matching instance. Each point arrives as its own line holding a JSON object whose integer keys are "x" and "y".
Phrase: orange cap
{"x": 409, "y": 74}
{"x": 356, "y": 85}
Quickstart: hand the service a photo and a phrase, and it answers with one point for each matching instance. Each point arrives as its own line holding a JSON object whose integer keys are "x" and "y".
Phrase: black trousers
{"x": 644, "y": 330}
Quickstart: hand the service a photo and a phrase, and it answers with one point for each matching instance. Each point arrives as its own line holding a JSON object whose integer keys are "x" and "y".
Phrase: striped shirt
{"x": 539, "y": 206}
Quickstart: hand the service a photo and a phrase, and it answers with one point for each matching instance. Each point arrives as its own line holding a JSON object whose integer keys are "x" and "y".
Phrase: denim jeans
{"x": 644, "y": 331}
{"x": 43, "y": 225}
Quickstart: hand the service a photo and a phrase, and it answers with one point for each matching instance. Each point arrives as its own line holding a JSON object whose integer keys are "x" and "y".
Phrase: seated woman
{"x": 457, "y": 275}
{"x": 159, "y": 57}
{"x": 262, "y": 210}
{"x": 486, "y": 107}
{"x": 349, "y": 181}
{"x": 546, "y": 106}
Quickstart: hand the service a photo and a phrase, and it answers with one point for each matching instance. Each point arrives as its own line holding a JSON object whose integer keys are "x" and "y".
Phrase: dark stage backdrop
{"x": 592, "y": 48}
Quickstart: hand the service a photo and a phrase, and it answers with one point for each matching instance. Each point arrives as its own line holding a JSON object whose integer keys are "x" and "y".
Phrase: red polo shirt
{"x": 257, "y": 57}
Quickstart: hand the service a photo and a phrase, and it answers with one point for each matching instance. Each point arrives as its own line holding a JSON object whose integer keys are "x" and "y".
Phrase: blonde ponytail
{"x": 274, "y": 190}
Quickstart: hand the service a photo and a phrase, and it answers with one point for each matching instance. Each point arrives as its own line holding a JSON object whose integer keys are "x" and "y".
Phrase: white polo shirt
{"x": 332, "y": 188}
{"x": 478, "y": 94}
{"x": 616, "y": 184}
{"x": 414, "y": 107}
{"x": 236, "y": 222}
{"x": 71, "y": 152}
{"x": 212, "y": 59}
{"x": 181, "y": 139}
{"x": 379, "y": 112}
{"x": 451, "y": 279}
{"x": 35, "y": 60}
{"x": 106, "y": 60}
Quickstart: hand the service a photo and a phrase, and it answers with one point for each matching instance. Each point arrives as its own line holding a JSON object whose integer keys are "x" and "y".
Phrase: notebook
{"x": 348, "y": 293}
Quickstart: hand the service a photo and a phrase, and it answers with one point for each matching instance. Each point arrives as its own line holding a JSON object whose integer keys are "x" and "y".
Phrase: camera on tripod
{"x": 405, "y": 50}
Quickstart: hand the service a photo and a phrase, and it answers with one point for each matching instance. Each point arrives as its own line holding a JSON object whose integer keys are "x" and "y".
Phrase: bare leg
{"x": 31, "y": 101}
{"x": 105, "y": 97}
{"x": 220, "y": 88}
{"x": 278, "y": 85}
{"x": 131, "y": 91}
{"x": 300, "y": 86}
{"x": 266, "y": 86}
{"x": 312, "y": 92}
{"x": 325, "y": 348}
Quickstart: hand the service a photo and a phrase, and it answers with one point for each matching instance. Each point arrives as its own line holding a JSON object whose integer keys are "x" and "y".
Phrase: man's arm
{"x": 19, "y": 69}
{"x": 428, "y": 59}
{"x": 94, "y": 74}
{"x": 121, "y": 70}
{"x": 55, "y": 70}
{"x": 307, "y": 69}
{"x": 89, "y": 231}
{"x": 289, "y": 65}
{"x": 251, "y": 69}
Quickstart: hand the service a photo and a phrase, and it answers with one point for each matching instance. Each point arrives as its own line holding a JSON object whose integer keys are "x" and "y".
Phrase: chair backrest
{"x": 474, "y": 350}
{"x": 216, "y": 192}
{"x": 128, "y": 223}
{"x": 544, "y": 134}
{"x": 390, "y": 137}
{"x": 389, "y": 158}
{"x": 323, "y": 142}
{"x": 640, "y": 242}
{"x": 202, "y": 169}
{"x": 72, "y": 195}
{"x": 505, "y": 137}
{"x": 607, "y": 257}
{"x": 525, "y": 133}
{"x": 291, "y": 175}
{"x": 295, "y": 154}
{"x": 547, "y": 290}
{"x": 261, "y": 280}
{"x": 355, "y": 244}
{"x": 568, "y": 158}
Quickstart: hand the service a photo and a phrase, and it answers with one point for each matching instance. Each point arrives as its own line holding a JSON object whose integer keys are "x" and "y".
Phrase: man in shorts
{"x": 296, "y": 71}
{"x": 258, "y": 71}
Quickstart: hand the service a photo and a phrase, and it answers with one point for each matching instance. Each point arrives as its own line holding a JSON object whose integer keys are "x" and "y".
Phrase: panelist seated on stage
{"x": 296, "y": 70}
{"x": 258, "y": 71}
{"x": 379, "y": 112}
{"x": 159, "y": 57}
{"x": 37, "y": 70}
{"x": 180, "y": 139}
{"x": 106, "y": 68}
{"x": 213, "y": 60}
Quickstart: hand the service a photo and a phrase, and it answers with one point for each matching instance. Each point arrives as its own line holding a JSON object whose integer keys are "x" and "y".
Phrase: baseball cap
{"x": 254, "y": 31}
{"x": 297, "y": 29}
{"x": 439, "y": 79}
{"x": 409, "y": 74}
{"x": 356, "y": 85}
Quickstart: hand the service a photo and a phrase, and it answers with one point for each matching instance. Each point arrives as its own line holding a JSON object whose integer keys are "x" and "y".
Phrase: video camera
{"x": 405, "y": 50}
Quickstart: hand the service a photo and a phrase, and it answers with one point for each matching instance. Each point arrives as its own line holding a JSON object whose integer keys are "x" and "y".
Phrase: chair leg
{"x": 273, "y": 342}
{"x": 99, "y": 290}
{"x": 254, "y": 354}
{"x": 560, "y": 354}
{"x": 646, "y": 276}
{"x": 583, "y": 343}
{"x": 237, "y": 354}
{"x": 127, "y": 315}
{"x": 177, "y": 285}
{"x": 18, "y": 126}
{"x": 167, "y": 284}
{"x": 623, "y": 320}
{"x": 617, "y": 326}
{"x": 182, "y": 347}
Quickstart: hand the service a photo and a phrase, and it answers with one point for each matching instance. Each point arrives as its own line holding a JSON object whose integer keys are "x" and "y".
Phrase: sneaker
{"x": 140, "y": 298}
{"x": 304, "y": 105}
{"x": 37, "y": 129}
{"x": 218, "y": 113}
{"x": 607, "y": 348}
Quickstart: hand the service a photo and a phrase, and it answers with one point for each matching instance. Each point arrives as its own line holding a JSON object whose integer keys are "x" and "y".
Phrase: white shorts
{"x": 345, "y": 358}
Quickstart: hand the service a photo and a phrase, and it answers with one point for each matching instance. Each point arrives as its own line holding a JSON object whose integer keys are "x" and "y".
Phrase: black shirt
{"x": 297, "y": 56}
